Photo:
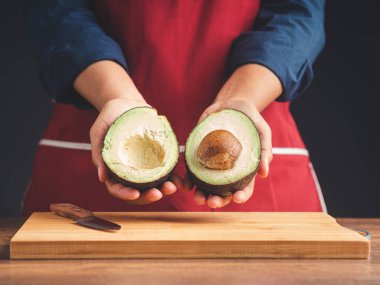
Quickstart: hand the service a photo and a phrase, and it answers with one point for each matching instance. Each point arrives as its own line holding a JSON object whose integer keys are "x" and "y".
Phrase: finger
{"x": 211, "y": 109}
{"x": 266, "y": 147}
{"x": 266, "y": 157}
{"x": 120, "y": 191}
{"x": 199, "y": 197}
{"x": 178, "y": 182}
{"x": 215, "y": 201}
{"x": 187, "y": 184}
{"x": 103, "y": 174}
{"x": 168, "y": 188}
{"x": 243, "y": 195}
{"x": 147, "y": 197}
{"x": 97, "y": 134}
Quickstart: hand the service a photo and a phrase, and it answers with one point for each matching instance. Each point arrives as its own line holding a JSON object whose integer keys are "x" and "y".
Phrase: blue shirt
{"x": 286, "y": 38}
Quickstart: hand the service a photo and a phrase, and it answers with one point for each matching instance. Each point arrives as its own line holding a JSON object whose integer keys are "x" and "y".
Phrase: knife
{"x": 83, "y": 217}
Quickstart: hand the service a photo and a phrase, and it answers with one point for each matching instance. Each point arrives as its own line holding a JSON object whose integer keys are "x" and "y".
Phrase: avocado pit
{"x": 219, "y": 150}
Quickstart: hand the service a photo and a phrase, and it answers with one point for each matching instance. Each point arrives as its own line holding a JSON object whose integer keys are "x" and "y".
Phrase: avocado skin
{"x": 140, "y": 186}
{"x": 221, "y": 190}
{"x": 143, "y": 186}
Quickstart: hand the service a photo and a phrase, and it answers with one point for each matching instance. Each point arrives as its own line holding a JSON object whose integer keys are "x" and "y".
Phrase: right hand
{"x": 110, "y": 111}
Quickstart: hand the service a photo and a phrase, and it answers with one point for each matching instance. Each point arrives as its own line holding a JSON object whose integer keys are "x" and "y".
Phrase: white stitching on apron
{"x": 65, "y": 144}
{"x": 87, "y": 146}
{"x": 319, "y": 190}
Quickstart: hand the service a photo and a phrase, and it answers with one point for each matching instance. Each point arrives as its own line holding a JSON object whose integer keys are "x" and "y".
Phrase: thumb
{"x": 211, "y": 109}
{"x": 97, "y": 134}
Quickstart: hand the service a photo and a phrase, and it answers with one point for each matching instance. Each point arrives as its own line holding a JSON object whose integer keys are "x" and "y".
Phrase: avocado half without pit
{"x": 140, "y": 148}
{"x": 223, "y": 152}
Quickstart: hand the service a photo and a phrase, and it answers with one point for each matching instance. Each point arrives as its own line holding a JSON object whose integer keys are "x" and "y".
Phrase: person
{"x": 187, "y": 59}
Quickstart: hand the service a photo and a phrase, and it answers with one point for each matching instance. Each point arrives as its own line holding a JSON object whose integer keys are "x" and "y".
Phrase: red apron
{"x": 177, "y": 53}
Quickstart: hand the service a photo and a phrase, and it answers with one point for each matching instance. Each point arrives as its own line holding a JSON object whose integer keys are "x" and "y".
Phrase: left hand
{"x": 250, "y": 89}
{"x": 240, "y": 103}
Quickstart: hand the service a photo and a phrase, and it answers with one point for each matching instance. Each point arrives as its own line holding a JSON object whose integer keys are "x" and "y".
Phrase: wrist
{"x": 241, "y": 98}
{"x": 125, "y": 102}
{"x": 104, "y": 81}
{"x": 125, "y": 97}
{"x": 253, "y": 83}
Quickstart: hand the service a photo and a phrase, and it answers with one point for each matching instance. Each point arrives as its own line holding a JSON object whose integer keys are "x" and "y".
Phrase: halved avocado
{"x": 234, "y": 158}
{"x": 140, "y": 148}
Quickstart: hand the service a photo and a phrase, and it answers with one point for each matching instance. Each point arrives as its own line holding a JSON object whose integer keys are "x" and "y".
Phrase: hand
{"x": 240, "y": 196}
{"x": 108, "y": 87}
{"x": 250, "y": 89}
{"x": 109, "y": 113}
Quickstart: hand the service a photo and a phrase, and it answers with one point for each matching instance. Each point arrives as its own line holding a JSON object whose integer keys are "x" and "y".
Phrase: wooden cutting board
{"x": 190, "y": 235}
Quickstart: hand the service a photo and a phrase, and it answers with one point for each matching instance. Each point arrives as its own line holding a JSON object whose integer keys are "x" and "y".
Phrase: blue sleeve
{"x": 287, "y": 37}
{"x": 67, "y": 38}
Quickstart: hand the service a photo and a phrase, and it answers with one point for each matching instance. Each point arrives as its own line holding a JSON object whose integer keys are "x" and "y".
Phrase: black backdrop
{"x": 338, "y": 116}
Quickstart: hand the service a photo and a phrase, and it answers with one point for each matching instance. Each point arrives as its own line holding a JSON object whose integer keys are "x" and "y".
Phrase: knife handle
{"x": 70, "y": 211}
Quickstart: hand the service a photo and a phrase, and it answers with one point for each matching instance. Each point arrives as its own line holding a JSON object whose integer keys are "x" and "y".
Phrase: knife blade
{"x": 83, "y": 217}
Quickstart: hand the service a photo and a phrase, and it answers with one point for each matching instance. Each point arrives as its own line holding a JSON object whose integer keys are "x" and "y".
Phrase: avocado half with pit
{"x": 223, "y": 152}
{"x": 140, "y": 148}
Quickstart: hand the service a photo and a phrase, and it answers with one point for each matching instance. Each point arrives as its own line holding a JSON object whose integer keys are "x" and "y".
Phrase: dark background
{"x": 338, "y": 116}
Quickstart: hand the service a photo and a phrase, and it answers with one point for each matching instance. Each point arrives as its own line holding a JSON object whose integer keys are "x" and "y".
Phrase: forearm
{"x": 106, "y": 80}
{"x": 252, "y": 82}
{"x": 287, "y": 37}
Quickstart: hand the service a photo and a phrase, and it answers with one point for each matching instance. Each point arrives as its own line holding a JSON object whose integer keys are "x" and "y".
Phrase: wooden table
{"x": 191, "y": 271}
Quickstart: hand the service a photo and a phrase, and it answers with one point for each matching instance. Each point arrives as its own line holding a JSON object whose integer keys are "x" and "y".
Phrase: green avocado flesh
{"x": 223, "y": 182}
{"x": 140, "y": 148}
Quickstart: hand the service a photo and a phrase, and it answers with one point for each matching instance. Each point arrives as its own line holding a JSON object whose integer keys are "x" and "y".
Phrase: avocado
{"x": 140, "y": 148}
{"x": 223, "y": 152}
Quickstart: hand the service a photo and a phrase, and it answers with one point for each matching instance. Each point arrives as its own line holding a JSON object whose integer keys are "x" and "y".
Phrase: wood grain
{"x": 192, "y": 271}
{"x": 190, "y": 235}
{"x": 8, "y": 227}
